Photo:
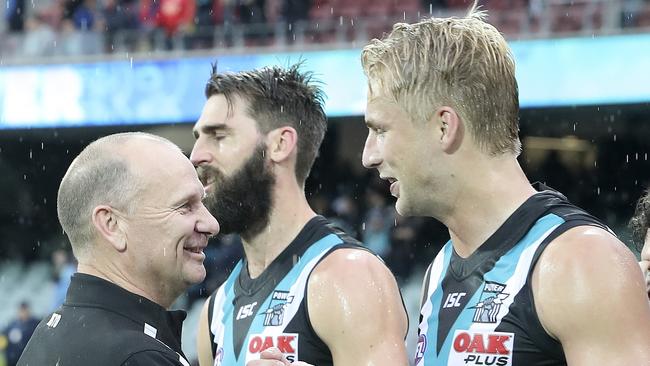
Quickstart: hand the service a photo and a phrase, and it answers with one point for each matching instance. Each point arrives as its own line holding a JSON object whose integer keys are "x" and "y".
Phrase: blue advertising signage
{"x": 551, "y": 73}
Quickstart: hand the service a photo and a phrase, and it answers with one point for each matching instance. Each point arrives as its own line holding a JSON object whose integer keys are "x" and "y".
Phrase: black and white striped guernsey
{"x": 249, "y": 315}
{"x": 480, "y": 310}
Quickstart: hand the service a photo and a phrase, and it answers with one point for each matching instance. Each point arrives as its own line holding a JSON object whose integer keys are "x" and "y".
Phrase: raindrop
{"x": 340, "y": 20}
{"x": 614, "y": 137}
{"x": 24, "y": 176}
{"x": 43, "y": 167}
{"x": 363, "y": 226}
{"x": 42, "y": 146}
{"x": 30, "y": 154}
{"x": 164, "y": 252}
{"x": 598, "y": 191}
{"x": 45, "y": 200}
{"x": 636, "y": 156}
{"x": 430, "y": 9}
{"x": 627, "y": 158}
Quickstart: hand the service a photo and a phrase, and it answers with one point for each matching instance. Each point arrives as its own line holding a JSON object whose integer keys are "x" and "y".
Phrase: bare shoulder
{"x": 355, "y": 307}
{"x": 590, "y": 254}
{"x": 583, "y": 274}
{"x": 342, "y": 264}
{"x": 348, "y": 276}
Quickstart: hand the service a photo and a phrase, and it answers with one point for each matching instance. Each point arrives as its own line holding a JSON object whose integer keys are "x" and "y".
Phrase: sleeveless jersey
{"x": 480, "y": 310}
{"x": 248, "y": 315}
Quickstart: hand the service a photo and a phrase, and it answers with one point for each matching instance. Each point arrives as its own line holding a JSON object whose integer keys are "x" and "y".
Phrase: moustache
{"x": 208, "y": 174}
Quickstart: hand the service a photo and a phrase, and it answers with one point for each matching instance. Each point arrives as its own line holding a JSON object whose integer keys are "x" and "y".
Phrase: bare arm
{"x": 204, "y": 346}
{"x": 356, "y": 309}
{"x": 590, "y": 295}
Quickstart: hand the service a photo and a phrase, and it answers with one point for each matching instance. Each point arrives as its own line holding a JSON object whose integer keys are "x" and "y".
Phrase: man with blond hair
{"x": 527, "y": 278}
{"x": 131, "y": 206}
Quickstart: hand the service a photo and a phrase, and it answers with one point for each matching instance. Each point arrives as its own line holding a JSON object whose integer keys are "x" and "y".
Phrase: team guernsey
{"x": 248, "y": 315}
{"x": 479, "y": 310}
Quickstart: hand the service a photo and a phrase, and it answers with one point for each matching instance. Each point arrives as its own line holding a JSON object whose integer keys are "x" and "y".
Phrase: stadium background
{"x": 74, "y": 70}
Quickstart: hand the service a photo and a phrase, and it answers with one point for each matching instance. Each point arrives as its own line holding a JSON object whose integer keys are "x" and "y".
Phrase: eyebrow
{"x": 189, "y": 196}
{"x": 210, "y": 129}
{"x": 370, "y": 123}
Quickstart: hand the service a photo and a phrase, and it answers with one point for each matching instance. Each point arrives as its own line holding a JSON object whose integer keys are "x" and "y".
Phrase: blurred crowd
{"x": 75, "y": 27}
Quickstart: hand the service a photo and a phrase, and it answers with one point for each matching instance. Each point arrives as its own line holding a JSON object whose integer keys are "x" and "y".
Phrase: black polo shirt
{"x": 102, "y": 324}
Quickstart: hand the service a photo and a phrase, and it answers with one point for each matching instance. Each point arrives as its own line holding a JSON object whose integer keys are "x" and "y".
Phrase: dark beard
{"x": 242, "y": 202}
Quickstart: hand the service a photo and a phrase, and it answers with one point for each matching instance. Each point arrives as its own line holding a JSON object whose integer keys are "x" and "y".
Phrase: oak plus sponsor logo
{"x": 287, "y": 343}
{"x": 481, "y": 348}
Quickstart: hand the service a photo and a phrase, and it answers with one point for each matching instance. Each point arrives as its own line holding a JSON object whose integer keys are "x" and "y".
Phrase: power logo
{"x": 481, "y": 348}
{"x": 287, "y": 343}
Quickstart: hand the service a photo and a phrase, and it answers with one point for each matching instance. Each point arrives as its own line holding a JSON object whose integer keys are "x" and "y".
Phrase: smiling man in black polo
{"x": 131, "y": 205}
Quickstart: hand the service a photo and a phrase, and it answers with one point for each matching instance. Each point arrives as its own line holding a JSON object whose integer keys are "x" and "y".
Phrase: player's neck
{"x": 289, "y": 215}
{"x": 483, "y": 205}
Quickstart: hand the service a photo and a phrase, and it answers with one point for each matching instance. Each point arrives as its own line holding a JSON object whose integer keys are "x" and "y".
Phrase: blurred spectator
{"x": 403, "y": 240}
{"x": 169, "y": 15}
{"x": 64, "y": 267}
{"x": 251, "y": 11}
{"x": 119, "y": 15}
{"x": 18, "y": 333}
{"x": 296, "y": 10}
{"x": 345, "y": 214}
{"x": 176, "y": 15}
{"x": 173, "y": 17}
{"x": 40, "y": 38}
{"x": 378, "y": 220}
{"x": 15, "y": 15}
{"x": 86, "y": 16}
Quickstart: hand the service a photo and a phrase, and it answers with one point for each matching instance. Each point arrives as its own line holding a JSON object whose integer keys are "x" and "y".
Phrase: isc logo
{"x": 453, "y": 300}
{"x": 287, "y": 343}
{"x": 246, "y": 311}
{"x": 481, "y": 348}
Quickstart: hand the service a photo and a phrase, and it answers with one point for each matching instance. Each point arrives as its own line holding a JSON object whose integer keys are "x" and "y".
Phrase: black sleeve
{"x": 153, "y": 358}
{"x": 213, "y": 344}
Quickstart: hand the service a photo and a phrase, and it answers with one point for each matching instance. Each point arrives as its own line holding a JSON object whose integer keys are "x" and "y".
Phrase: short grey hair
{"x": 99, "y": 175}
